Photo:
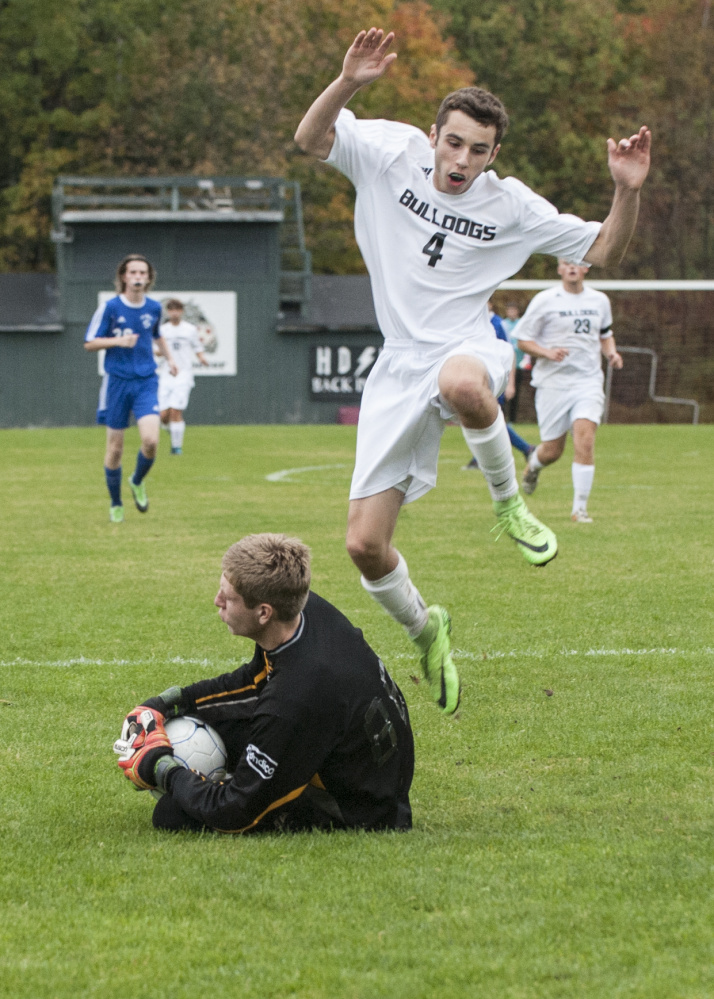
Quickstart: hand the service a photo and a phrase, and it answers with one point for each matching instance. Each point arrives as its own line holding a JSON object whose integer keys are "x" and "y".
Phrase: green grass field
{"x": 562, "y": 843}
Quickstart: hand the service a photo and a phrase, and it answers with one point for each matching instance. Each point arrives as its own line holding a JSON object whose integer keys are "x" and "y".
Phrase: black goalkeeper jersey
{"x": 317, "y": 717}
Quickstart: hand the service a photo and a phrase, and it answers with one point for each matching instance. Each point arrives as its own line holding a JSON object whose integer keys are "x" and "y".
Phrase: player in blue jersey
{"x": 126, "y": 326}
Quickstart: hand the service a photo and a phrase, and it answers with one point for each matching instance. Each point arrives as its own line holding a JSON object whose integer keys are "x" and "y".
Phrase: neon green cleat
{"x": 139, "y": 493}
{"x": 537, "y": 542}
{"x": 436, "y": 662}
{"x": 116, "y": 514}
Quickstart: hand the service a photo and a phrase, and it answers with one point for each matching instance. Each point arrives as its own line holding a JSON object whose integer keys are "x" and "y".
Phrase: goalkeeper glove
{"x": 142, "y": 744}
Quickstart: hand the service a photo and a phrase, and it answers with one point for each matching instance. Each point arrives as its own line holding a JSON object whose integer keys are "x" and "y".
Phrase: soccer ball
{"x": 197, "y": 746}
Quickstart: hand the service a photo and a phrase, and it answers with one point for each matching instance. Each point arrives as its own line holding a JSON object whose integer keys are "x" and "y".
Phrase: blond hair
{"x": 272, "y": 569}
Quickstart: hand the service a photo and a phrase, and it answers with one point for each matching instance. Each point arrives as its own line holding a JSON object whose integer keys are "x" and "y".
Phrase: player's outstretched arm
{"x": 629, "y": 162}
{"x": 366, "y": 60}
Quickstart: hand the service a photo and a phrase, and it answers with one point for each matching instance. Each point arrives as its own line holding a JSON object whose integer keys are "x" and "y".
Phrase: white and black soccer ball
{"x": 197, "y": 746}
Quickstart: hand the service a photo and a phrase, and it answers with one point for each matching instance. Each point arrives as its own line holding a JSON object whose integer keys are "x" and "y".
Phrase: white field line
{"x": 571, "y": 653}
{"x": 459, "y": 653}
{"x": 285, "y": 474}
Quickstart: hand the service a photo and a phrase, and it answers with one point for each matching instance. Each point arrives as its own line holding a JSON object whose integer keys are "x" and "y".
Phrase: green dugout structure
{"x": 232, "y": 249}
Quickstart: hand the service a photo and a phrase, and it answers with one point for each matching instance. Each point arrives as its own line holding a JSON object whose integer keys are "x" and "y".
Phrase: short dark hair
{"x": 174, "y": 303}
{"x": 272, "y": 569}
{"x": 119, "y": 281}
{"x": 478, "y": 104}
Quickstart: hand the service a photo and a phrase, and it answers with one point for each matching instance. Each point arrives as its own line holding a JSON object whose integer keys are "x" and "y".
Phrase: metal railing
{"x": 651, "y": 388}
{"x": 200, "y": 194}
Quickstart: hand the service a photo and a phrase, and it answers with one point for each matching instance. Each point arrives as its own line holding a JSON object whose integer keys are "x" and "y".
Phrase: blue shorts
{"x": 118, "y": 397}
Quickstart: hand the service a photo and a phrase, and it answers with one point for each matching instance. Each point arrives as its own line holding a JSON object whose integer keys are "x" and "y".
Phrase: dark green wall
{"x": 48, "y": 379}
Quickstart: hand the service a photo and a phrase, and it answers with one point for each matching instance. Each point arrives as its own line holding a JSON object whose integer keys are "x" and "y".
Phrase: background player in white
{"x": 175, "y": 389}
{"x": 126, "y": 327}
{"x": 438, "y": 235}
{"x": 568, "y": 329}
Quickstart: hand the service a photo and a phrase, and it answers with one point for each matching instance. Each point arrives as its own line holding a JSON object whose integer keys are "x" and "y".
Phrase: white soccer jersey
{"x": 557, "y": 318}
{"x": 184, "y": 342}
{"x": 435, "y": 259}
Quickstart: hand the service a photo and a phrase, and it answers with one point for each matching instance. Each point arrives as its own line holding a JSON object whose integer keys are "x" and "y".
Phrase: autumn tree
{"x": 573, "y": 73}
{"x": 181, "y": 86}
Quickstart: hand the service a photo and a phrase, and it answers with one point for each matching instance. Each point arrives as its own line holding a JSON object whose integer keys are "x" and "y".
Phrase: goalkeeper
{"x": 317, "y": 732}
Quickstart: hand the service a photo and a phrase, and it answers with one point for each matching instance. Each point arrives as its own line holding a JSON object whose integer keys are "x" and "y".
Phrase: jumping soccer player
{"x": 175, "y": 389}
{"x": 316, "y": 731}
{"x": 438, "y": 234}
{"x": 568, "y": 329}
{"x": 125, "y": 327}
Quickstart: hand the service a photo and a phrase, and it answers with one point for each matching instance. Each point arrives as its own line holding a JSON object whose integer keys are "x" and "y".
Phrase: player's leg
{"x": 149, "y": 427}
{"x": 115, "y": 408}
{"x": 545, "y": 454}
{"x": 164, "y": 399}
{"x": 554, "y": 414}
{"x": 177, "y": 428}
{"x": 465, "y": 388}
{"x": 170, "y": 817}
{"x": 146, "y": 410}
{"x": 385, "y": 576}
{"x": 583, "y": 468}
{"x": 112, "y": 473}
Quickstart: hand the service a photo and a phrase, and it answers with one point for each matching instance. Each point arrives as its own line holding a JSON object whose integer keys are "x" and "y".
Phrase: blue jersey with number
{"x": 115, "y": 318}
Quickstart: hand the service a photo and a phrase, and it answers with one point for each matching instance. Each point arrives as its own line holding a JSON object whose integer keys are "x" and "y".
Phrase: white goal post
{"x": 627, "y": 285}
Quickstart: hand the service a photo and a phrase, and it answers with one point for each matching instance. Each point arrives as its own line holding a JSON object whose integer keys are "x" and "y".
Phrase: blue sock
{"x": 113, "y": 477}
{"x": 517, "y": 441}
{"x": 143, "y": 465}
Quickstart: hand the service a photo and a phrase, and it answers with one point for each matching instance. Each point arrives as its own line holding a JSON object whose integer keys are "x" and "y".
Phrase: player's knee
{"x": 550, "y": 451}
{"x": 113, "y": 455}
{"x": 365, "y": 551}
{"x": 468, "y": 397}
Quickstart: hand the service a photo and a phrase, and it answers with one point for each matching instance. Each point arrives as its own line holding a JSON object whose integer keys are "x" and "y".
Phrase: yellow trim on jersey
{"x": 276, "y": 804}
{"x": 229, "y": 693}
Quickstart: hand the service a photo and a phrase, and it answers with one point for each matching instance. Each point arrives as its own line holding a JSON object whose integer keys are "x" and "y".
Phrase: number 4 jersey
{"x": 557, "y": 318}
{"x": 435, "y": 259}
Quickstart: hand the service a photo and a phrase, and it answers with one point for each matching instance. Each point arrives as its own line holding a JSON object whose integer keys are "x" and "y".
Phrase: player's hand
{"x": 142, "y": 743}
{"x": 557, "y": 354}
{"x": 615, "y": 361}
{"x": 367, "y": 58}
{"x": 138, "y": 723}
{"x": 126, "y": 339}
{"x": 629, "y": 159}
{"x": 172, "y": 368}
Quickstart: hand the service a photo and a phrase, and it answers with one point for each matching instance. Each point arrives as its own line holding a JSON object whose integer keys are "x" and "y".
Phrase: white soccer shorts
{"x": 558, "y": 409}
{"x": 402, "y": 416}
{"x": 174, "y": 391}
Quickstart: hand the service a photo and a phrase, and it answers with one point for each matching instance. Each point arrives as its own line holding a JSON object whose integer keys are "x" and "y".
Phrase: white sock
{"x": 583, "y": 476}
{"x": 399, "y": 597}
{"x": 492, "y": 450}
{"x": 177, "y": 429}
{"x": 534, "y": 461}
